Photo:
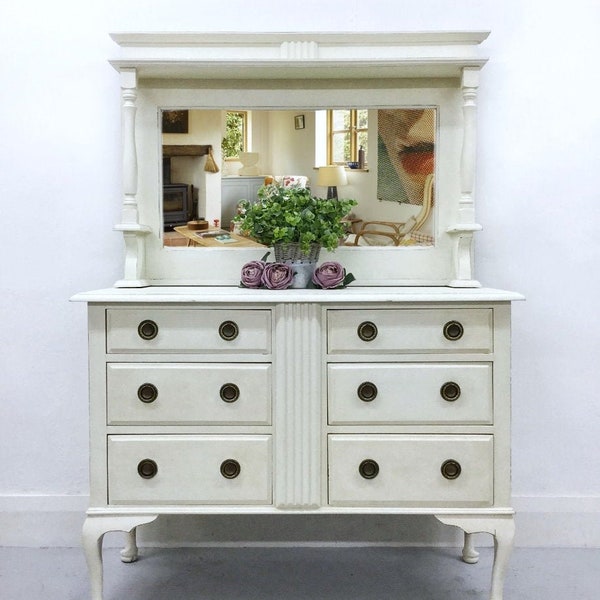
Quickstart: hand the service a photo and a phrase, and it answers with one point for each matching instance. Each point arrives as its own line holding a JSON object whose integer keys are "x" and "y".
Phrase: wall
{"x": 537, "y": 197}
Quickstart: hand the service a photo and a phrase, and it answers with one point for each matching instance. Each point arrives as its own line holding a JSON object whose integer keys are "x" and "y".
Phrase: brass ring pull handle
{"x": 229, "y": 392}
{"x": 147, "y": 392}
{"x": 453, "y": 330}
{"x": 228, "y": 330}
{"x": 451, "y": 469}
{"x": 147, "y": 468}
{"x": 147, "y": 329}
{"x": 369, "y": 469}
{"x": 367, "y": 331}
{"x": 230, "y": 468}
{"x": 450, "y": 391}
{"x": 367, "y": 391}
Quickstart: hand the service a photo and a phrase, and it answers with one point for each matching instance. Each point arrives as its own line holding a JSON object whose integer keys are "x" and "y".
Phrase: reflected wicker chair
{"x": 394, "y": 232}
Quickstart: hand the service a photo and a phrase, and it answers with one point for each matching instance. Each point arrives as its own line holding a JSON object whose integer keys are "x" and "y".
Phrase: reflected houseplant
{"x": 293, "y": 221}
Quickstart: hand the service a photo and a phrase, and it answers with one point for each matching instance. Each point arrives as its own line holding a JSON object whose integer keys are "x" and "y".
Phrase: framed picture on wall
{"x": 299, "y": 121}
{"x": 175, "y": 121}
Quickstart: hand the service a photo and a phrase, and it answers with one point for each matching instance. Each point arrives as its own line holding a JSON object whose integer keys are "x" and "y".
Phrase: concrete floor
{"x": 305, "y": 573}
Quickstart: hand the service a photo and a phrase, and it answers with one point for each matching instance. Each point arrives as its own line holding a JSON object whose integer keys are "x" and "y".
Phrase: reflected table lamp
{"x": 332, "y": 176}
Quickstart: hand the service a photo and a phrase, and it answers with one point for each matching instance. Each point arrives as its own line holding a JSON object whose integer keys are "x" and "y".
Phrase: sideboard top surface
{"x": 244, "y": 295}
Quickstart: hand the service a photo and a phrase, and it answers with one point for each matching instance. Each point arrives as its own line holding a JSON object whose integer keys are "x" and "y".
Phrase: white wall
{"x": 537, "y": 197}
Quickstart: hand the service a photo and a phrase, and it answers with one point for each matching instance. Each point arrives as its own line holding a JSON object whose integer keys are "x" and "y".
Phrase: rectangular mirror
{"x": 387, "y": 157}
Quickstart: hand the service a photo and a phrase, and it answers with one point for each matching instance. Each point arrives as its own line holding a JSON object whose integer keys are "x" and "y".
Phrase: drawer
{"x": 409, "y": 330}
{"x": 195, "y": 469}
{"x": 188, "y": 330}
{"x": 181, "y": 393}
{"x": 392, "y": 393}
{"x": 408, "y": 470}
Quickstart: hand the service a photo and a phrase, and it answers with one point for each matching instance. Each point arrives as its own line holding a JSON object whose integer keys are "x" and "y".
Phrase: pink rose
{"x": 329, "y": 275}
{"x": 277, "y": 276}
{"x": 252, "y": 273}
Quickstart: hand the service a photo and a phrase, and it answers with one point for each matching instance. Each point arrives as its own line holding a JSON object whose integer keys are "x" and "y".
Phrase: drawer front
{"x": 409, "y": 330}
{"x": 177, "y": 469}
{"x": 403, "y": 470}
{"x": 188, "y": 330}
{"x": 392, "y": 393}
{"x": 180, "y": 393}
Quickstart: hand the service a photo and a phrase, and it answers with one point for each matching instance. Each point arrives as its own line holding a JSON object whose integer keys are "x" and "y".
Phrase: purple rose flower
{"x": 277, "y": 276}
{"x": 252, "y": 273}
{"x": 329, "y": 275}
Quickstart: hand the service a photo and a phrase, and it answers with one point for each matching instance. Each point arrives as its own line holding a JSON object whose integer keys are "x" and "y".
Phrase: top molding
{"x": 295, "y": 55}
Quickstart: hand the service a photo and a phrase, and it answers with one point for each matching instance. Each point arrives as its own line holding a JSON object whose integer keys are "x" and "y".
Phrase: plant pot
{"x": 292, "y": 253}
{"x": 303, "y": 272}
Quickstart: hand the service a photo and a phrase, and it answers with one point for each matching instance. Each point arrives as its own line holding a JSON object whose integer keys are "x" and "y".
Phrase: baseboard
{"x": 55, "y": 521}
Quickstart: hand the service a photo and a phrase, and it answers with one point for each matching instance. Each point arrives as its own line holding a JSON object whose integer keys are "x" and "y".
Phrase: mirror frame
{"x": 299, "y": 71}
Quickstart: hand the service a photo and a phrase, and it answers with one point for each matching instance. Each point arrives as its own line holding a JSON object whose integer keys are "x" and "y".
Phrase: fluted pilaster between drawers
{"x": 297, "y": 406}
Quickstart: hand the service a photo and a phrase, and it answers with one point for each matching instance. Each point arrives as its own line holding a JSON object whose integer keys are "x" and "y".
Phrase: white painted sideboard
{"x": 363, "y": 400}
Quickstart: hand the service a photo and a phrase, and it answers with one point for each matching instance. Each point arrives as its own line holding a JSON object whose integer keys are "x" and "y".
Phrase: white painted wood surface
{"x": 300, "y": 360}
{"x": 410, "y": 393}
{"x": 305, "y": 72}
{"x": 188, "y": 394}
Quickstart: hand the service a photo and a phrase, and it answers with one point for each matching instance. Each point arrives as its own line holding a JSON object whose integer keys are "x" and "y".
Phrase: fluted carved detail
{"x": 297, "y": 406}
{"x": 299, "y": 50}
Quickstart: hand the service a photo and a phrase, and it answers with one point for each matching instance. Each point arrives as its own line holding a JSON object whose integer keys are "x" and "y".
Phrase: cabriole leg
{"x": 94, "y": 530}
{"x": 502, "y": 527}
{"x": 503, "y": 544}
{"x": 93, "y": 534}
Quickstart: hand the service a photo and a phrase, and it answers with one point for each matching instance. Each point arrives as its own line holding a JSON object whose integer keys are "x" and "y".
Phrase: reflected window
{"x": 347, "y": 132}
{"x": 235, "y": 139}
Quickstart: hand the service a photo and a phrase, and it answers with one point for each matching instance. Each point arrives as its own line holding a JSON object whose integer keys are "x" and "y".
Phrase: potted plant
{"x": 293, "y": 221}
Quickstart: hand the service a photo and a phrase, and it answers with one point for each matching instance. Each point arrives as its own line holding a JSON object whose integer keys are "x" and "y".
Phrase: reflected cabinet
{"x": 390, "y": 396}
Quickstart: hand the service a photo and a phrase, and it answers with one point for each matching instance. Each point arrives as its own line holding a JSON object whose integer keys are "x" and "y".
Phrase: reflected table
{"x": 214, "y": 238}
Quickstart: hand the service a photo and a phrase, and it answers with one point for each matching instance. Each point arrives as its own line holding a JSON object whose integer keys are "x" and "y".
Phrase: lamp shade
{"x": 332, "y": 175}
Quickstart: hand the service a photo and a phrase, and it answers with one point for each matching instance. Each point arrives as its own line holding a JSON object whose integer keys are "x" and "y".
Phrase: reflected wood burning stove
{"x": 178, "y": 201}
{"x": 178, "y": 198}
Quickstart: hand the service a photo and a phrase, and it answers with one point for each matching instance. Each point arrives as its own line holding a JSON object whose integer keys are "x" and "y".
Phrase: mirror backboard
{"x": 420, "y": 94}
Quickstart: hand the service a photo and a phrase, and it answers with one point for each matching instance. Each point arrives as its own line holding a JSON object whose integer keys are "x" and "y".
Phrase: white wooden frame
{"x": 305, "y": 71}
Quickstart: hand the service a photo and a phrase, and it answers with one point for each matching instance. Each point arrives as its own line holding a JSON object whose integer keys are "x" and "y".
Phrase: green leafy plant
{"x": 291, "y": 214}
{"x": 233, "y": 141}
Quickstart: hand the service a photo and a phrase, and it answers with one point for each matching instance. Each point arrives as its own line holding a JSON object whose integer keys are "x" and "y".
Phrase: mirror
{"x": 394, "y": 188}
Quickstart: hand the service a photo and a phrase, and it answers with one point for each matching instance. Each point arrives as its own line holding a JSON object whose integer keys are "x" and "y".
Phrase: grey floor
{"x": 369, "y": 573}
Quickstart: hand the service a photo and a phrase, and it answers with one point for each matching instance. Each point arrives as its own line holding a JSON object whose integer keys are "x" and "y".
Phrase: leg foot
{"x": 129, "y": 553}
{"x": 469, "y": 554}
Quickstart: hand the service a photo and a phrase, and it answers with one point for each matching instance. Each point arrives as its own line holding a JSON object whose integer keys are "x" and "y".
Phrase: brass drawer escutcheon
{"x": 367, "y": 391}
{"x": 367, "y": 331}
{"x": 230, "y": 468}
{"x": 147, "y": 468}
{"x": 147, "y": 329}
{"x": 450, "y": 391}
{"x": 229, "y": 392}
{"x": 228, "y": 330}
{"x": 451, "y": 469}
{"x": 369, "y": 469}
{"x": 147, "y": 393}
{"x": 453, "y": 330}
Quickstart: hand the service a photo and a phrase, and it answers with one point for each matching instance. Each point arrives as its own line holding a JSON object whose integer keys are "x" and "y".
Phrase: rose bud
{"x": 252, "y": 273}
{"x": 277, "y": 276}
{"x": 329, "y": 275}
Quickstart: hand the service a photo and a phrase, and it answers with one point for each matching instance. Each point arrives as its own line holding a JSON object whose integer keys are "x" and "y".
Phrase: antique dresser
{"x": 390, "y": 396}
